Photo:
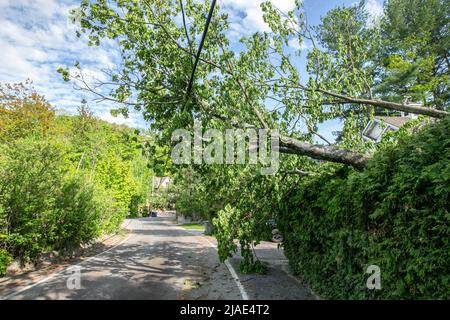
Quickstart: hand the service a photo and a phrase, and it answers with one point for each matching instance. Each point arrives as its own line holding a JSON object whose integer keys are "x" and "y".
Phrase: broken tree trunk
{"x": 327, "y": 153}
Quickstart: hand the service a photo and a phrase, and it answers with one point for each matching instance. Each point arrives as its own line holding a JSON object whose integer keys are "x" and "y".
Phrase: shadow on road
{"x": 155, "y": 263}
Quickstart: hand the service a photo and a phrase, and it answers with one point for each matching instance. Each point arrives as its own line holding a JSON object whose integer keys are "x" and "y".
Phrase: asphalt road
{"x": 157, "y": 261}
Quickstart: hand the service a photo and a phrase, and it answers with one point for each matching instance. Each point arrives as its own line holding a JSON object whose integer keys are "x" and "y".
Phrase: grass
{"x": 193, "y": 226}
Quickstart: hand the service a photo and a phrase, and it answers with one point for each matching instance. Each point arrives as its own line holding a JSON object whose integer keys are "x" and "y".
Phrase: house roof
{"x": 394, "y": 121}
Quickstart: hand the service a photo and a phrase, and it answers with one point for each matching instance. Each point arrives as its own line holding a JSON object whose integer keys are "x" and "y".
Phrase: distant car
{"x": 153, "y": 214}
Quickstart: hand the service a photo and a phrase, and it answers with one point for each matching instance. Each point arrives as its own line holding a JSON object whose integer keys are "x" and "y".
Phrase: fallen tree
{"x": 157, "y": 74}
{"x": 393, "y": 214}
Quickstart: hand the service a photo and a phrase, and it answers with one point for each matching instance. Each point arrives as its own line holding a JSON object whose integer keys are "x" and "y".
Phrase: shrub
{"x": 77, "y": 217}
{"x": 5, "y": 260}
{"x": 48, "y": 207}
{"x": 30, "y": 183}
{"x": 394, "y": 214}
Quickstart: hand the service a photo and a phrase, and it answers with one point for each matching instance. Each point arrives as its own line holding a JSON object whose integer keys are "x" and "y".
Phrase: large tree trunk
{"x": 326, "y": 153}
{"x": 291, "y": 145}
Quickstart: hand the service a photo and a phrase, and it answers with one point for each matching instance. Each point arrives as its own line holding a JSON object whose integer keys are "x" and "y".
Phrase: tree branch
{"x": 328, "y": 153}
{"x": 299, "y": 172}
{"x": 384, "y": 104}
{"x": 291, "y": 145}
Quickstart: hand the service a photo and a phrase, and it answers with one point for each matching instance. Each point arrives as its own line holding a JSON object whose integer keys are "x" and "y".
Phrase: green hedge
{"x": 5, "y": 260}
{"x": 394, "y": 214}
{"x": 44, "y": 206}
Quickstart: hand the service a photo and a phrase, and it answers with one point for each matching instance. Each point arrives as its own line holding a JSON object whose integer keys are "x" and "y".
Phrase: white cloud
{"x": 374, "y": 8}
{"x": 133, "y": 120}
{"x": 36, "y": 38}
{"x": 246, "y": 16}
{"x": 294, "y": 44}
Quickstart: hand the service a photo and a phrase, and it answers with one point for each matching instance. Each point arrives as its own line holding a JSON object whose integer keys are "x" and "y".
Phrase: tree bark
{"x": 291, "y": 145}
{"x": 327, "y": 153}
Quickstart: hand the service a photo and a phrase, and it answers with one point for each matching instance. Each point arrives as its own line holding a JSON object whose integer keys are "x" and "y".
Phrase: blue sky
{"x": 36, "y": 38}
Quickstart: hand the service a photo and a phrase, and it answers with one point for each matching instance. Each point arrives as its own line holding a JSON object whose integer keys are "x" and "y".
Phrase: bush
{"x": 112, "y": 213}
{"x": 5, "y": 260}
{"x": 394, "y": 214}
{"x": 30, "y": 183}
{"x": 76, "y": 216}
{"x": 47, "y": 206}
{"x": 64, "y": 180}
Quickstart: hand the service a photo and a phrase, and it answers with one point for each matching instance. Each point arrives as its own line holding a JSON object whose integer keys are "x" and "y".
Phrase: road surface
{"x": 156, "y": 261}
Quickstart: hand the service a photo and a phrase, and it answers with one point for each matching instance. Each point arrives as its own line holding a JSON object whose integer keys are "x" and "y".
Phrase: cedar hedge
{"x": 394, "y": 214}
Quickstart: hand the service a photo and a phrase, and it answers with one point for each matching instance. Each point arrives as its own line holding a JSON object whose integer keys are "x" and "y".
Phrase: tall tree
{"x": 23, "y": 112}
{"x": 235, "y": 89}
{"x": 414, "y": 56}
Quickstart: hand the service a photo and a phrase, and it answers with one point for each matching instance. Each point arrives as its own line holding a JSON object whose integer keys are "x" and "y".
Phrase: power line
{"x": 200, "y": 47}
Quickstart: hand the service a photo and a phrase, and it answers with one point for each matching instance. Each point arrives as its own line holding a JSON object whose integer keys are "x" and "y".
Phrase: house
{"x": 379, "y": 126}
{"x": 162, "y": 182}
